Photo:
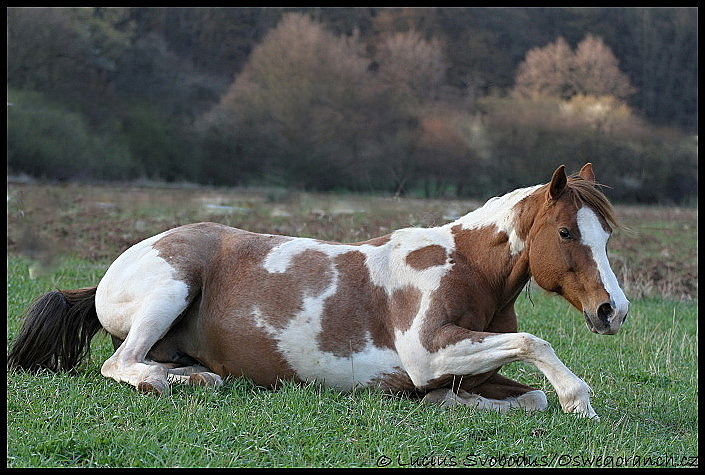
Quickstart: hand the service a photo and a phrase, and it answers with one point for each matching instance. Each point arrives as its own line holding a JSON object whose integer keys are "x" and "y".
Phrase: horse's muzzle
{"x": 607, "y": 320}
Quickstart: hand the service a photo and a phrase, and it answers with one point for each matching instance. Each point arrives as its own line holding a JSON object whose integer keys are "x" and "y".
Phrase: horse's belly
{"x": 250, "y": 347}
{"x": 370, "y": 367}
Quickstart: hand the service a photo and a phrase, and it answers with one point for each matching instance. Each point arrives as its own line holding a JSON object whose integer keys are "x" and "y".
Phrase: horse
{"x": 425, "y": 311}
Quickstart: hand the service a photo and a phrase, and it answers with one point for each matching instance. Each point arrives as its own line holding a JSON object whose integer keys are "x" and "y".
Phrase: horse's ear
{"x": 587, "y": 173}
{"x": 558, "y": 183}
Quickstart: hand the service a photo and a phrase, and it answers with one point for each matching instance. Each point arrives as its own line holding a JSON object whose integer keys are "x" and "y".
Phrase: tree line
{"x": 431, "y": 101}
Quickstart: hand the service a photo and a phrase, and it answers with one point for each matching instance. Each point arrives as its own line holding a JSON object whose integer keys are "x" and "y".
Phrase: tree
{"x": 44, "y": 51}
{"x": 68, "y": 53}
{"x": 659, "y": 50}
{"x": 556, "y": 71}
{"x": 595, "y": 71}
{"x": 298, "y": 107}
{"x": 411, "y": 65}
{"x": 546, "y": 72}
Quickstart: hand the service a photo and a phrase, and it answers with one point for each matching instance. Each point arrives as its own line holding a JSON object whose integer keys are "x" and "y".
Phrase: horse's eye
{"x": 565, "y": 234}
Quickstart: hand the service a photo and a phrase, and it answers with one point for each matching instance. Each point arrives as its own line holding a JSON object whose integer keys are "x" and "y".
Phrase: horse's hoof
{"x": 157, "y": 387}
{"x": 205, "y": 379}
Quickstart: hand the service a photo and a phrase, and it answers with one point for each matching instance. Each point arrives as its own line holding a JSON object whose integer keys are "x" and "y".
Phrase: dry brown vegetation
{"x": 657, "y": 256}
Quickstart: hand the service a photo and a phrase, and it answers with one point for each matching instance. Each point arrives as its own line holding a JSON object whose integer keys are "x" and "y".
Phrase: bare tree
{"x": 546, "y": 72}
{"x": 595, "y": 71}
{"x": 412, "y": 65}
{"x": 556, "y": 71}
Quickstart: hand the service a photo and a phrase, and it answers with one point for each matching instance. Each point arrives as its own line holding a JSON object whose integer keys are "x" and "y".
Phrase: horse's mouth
{"x": 596, "y": 325}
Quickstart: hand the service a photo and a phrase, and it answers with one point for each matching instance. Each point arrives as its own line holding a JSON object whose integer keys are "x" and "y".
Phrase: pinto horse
{"x": 428, "y": 311}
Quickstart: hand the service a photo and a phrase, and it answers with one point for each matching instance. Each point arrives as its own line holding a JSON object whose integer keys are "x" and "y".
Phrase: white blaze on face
{"x": 595, "y": 237}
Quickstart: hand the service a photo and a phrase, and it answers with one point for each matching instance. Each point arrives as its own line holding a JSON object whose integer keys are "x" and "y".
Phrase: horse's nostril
{"x": 604, "y": 312}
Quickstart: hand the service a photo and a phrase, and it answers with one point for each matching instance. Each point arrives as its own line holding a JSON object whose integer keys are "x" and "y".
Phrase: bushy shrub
{"x": 162, "y": 148}
{"x": 640, "y": 162}
{"x": 47, "y": 140}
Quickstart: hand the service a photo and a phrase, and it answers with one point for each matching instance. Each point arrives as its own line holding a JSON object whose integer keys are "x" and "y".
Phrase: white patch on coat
{"x": 298, "y": 343}
{"x": 139, "y": 283}
{"x": 387, "y": 268}
{"x": 278, "y": 259}
{"x": 499, "y": 212}
{"x": 386, "y": 264}
{"x": 595, "y": 237}
{"x": 414, "y": 356}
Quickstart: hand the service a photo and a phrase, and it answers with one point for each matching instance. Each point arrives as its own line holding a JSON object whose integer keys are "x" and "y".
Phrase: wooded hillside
{"x": 430, "y": 101}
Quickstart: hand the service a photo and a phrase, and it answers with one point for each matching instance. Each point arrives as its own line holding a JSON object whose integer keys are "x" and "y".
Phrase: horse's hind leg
{"x": 150, "y": 314}
{"x": 179, "y": 371}
{"x": 497, "y": 393}
{"x": 504, "y": 390}
{"x": 129, "y": 364}
{"x": 140, "y": 298}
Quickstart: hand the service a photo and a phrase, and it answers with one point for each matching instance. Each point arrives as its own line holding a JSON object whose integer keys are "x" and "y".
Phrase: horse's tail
{"x": 57, "y": 331}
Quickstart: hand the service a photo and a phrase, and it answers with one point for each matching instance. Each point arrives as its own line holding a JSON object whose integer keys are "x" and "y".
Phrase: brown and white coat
{"x": 422, "y": 309}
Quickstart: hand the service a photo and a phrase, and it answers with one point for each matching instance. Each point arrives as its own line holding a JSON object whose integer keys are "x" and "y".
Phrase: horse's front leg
{"x": 456, "y": 351}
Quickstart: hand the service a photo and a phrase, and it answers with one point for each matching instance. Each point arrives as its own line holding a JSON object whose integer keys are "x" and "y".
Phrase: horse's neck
{"x": 502, "y": 213}
{"x": 503, "y": 262}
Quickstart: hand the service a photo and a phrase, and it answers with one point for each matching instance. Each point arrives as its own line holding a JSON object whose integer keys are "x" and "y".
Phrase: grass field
{"x": 644, "y": 379}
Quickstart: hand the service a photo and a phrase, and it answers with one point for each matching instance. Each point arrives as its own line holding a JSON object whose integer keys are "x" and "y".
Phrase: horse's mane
{"x": 587, "y": 192}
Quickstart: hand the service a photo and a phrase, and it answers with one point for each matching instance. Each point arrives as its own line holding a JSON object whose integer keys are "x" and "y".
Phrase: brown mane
{"x": 586, "y": 192}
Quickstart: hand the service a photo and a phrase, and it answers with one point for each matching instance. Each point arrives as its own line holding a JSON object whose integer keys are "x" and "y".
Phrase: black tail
{"x": 57, "y": 331}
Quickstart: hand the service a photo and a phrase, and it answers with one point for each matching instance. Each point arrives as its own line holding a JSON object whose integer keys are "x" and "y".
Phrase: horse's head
{"x": 567, "y": 249}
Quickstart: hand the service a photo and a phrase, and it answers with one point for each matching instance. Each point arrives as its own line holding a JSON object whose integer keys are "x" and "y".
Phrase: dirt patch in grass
{"x": 657, "y": 256}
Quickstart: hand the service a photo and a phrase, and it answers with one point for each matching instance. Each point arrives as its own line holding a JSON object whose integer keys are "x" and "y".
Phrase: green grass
{"x": 644, "y": 381}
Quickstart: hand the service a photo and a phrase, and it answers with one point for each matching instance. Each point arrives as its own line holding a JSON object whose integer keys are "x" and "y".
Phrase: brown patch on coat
{"x": 457, "y": 382}
{"x": 475, "y": 291}
{"x": 527, "y": 211}
{"x": 188, "y": 249}
{"x": 357, "y": 308}
{"x": 490, "y": 385}
{"x": 404, "y": 304}
{"x": 219, "y": 329}
{"x": 246, "y": 350}
{"x": 246, "y": 287}
{"x": 428, "y": 256}
{"x": 494, "y": 386}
